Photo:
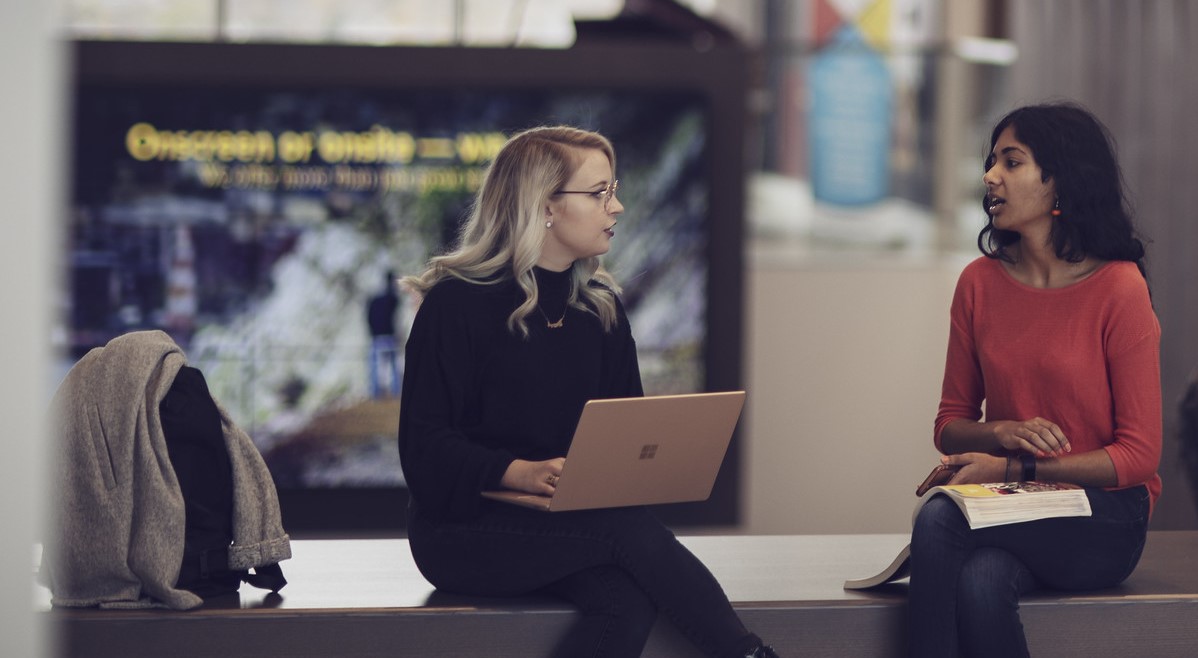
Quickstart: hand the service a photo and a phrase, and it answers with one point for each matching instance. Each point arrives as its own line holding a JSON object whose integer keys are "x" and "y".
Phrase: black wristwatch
{"x": 1029, "y": 467}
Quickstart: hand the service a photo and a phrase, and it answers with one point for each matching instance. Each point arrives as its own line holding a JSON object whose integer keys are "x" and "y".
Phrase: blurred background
{"x": 802, "y": 180}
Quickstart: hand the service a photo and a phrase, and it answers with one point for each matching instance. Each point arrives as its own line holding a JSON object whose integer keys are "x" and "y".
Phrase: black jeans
{"x": 965, "y": 584}
{"x": 618, "y": 566}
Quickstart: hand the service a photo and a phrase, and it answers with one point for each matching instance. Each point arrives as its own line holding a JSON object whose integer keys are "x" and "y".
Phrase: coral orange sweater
{"x": 1086, "y": 356}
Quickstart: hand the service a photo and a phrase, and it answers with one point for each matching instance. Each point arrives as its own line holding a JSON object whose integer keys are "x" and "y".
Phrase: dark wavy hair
{"x": 1077, "y": 152}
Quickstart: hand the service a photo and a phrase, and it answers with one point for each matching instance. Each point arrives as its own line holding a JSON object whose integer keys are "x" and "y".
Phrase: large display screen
{"x": 254, "y": 219}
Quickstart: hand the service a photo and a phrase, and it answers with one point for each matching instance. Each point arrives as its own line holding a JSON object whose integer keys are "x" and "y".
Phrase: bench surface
{"x": 365, "y": 597}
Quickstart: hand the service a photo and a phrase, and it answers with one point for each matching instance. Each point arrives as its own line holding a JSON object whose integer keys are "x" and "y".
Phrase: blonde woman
{"x": 518, "y": 328}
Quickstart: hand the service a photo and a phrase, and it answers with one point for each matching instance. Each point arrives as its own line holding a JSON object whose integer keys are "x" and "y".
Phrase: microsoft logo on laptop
{"x": 649, "y": 451}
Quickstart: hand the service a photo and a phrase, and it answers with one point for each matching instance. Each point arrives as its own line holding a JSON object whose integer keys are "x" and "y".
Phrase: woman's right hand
{"x": 1038, "y": 436}
{"x": 533, "y": 477}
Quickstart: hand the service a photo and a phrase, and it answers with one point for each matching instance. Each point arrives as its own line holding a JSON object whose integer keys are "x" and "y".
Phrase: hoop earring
{"x": 1056, "y": 207}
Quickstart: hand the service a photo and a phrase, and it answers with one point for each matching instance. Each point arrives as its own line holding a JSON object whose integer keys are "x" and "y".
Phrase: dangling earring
{"x": 1056, "y": 207}
{"x": 549, "y": 224}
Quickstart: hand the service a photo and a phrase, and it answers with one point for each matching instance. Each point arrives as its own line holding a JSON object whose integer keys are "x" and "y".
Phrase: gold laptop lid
{"x": 643, "y": 451}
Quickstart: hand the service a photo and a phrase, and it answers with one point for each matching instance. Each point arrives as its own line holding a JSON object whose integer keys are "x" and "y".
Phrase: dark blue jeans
{"x": 966, "y": 584}
{"x": 618, "y": 566}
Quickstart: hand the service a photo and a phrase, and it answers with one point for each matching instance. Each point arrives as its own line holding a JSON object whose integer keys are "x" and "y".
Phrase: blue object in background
{"x": 852, "y": 100}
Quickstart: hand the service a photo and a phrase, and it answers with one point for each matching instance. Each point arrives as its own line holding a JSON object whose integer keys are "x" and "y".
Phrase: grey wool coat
{"x": 117, "y": 535}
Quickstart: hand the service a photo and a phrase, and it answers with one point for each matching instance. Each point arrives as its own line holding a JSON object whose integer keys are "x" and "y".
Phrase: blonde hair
{"x": 506, "y": 229}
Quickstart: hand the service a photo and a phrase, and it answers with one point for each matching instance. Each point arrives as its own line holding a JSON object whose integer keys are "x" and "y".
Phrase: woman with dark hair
{"x": 519, "y": 326}
{"x": 1053, "y": 331}
{"x": 1076, "y": 152}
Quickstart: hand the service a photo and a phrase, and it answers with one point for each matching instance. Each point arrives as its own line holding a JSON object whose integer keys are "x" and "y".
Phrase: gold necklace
{"x": 560, "y": 321}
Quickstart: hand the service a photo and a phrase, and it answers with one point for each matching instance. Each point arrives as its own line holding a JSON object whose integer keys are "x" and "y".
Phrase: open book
{"x": 986, "y": 505}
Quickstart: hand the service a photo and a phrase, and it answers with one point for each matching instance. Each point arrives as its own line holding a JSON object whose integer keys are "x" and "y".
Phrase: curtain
{"x": 1134, "y": 63}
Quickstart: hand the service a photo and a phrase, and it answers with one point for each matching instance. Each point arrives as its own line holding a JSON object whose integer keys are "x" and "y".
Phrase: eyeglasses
{"x": 605, "y": 195}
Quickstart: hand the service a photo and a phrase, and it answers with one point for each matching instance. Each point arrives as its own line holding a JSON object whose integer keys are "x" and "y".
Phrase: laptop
{"x": 641, "y": 451}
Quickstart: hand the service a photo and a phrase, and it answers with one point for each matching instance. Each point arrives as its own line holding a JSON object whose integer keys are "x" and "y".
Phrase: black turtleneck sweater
{"x": 476, "y": 395}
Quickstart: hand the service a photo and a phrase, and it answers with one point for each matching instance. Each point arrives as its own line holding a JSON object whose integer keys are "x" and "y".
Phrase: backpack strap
{"x": 216, "y": 561}
{"x": 266, "y": 577}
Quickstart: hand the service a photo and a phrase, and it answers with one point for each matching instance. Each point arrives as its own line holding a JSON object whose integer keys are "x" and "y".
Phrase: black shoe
{"x": 763, "y": 651}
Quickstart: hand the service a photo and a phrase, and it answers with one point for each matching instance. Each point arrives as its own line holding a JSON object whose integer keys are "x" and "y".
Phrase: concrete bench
{"x": 365, "y": 598}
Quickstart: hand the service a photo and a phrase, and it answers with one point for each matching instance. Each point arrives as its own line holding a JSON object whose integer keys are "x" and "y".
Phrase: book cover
{"x": 898, "y": 569}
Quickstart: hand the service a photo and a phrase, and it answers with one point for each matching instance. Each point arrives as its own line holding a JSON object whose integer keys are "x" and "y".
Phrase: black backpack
{"x": 195, "y": 442}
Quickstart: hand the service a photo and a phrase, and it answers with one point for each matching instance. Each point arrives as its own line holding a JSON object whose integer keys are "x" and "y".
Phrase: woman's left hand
{"x": 976, "y": 468}
{"x": 533, "y": 477}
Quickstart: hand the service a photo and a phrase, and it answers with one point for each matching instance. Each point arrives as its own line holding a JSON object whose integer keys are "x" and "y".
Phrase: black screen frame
{"x": 718, "y": 72}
